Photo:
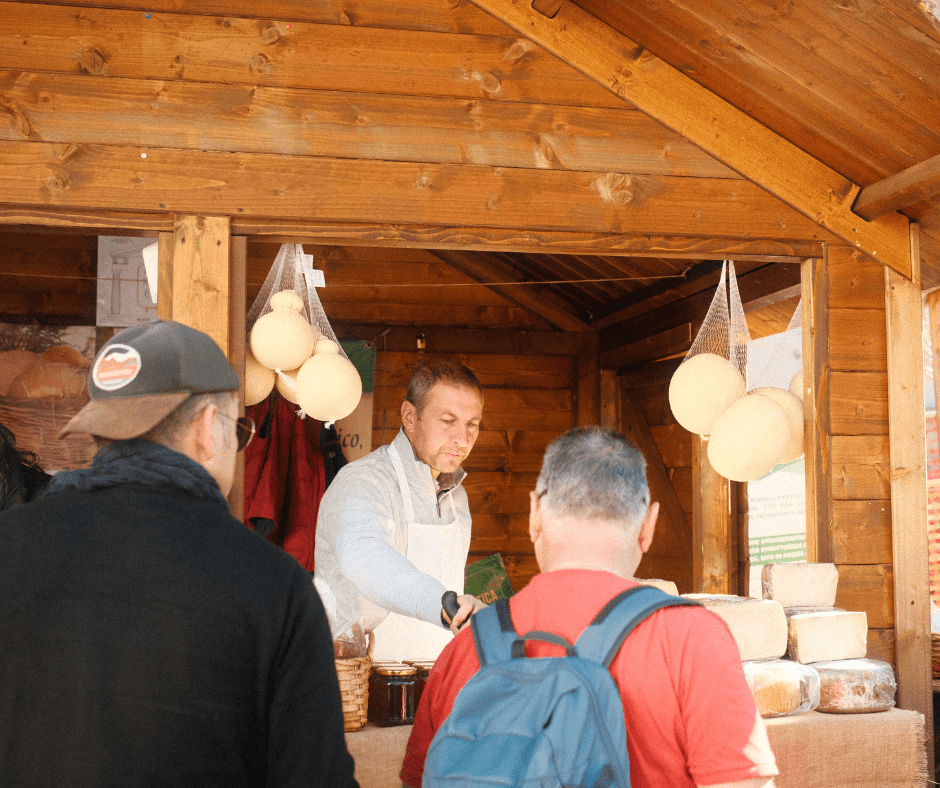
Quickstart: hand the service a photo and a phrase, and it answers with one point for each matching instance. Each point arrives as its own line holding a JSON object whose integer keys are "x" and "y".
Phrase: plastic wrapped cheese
{"x": 800, "y": 584}
{"x": 663, "y": 585}
{"x": 758, "y": 626}
{"x": 823, "y": 636}
{"x": 782, "y": 687}
{"x": 855, "y": 686}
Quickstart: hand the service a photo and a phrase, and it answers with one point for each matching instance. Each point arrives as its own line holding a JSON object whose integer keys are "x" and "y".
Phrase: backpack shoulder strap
{"x": 604, "y": 636}
{"x": 493, "y": 632}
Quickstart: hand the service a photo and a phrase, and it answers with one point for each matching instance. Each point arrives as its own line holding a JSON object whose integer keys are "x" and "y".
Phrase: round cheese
{"x": 701, "y": 389}
{"x": 855, "y": 686}
{"x": 749, "y": 438}
{"x": 781, "y": 687}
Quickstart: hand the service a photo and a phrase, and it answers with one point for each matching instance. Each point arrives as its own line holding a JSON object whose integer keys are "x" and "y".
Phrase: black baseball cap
{"x": 143, "y": 373}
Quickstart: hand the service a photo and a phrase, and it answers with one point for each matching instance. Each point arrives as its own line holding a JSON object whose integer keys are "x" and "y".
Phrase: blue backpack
{"x": 546, "y": 722}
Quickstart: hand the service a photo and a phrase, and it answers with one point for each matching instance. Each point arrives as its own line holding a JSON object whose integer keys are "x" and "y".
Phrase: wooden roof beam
{"x": 898, "y": 191}
{"x": 484, "y": 268}
{"x": 720, "y": 129}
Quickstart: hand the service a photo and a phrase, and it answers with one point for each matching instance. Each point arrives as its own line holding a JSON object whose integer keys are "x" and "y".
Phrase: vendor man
{"x": 393, "y": 530}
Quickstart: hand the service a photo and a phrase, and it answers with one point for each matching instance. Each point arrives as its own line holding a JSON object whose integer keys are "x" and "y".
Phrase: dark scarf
{"x": 140, "y": 461}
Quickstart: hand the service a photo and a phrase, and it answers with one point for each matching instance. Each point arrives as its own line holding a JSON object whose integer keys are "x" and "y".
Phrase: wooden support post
{"x": 816, "y": 416}
{"x": 714, "y": 527}
{"x": 587, "y": 382}
{"x": 202, "y": 284}
{"x": 202, "y": 276}
{"x": 610, "y": 400}
{"x": 904, "y": 312}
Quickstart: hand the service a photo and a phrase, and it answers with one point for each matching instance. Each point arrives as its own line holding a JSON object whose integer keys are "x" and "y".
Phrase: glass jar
{"x": 424, "y": 670}
{"x": 392, "y": 698}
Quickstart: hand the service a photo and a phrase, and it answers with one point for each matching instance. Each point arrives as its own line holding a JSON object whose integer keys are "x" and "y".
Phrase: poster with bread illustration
{"x": 43, "y": 376}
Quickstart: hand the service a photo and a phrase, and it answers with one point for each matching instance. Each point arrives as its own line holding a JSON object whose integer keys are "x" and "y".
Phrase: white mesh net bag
{"x": 713, "y": 373}
{"x": 291, "y": 345}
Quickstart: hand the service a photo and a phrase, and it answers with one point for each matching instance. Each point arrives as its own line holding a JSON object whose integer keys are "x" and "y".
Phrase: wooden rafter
{"x": 898, "y": 191}
{"x": 483, "y": 267}
{"x": 719, "y": 128}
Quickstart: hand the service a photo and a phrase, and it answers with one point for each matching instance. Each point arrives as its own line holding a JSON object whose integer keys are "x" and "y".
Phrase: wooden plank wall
{"x": 854, "y": 401}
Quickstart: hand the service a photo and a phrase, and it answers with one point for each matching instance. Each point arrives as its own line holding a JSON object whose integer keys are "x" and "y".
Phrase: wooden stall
{"x": 544, "y": 190}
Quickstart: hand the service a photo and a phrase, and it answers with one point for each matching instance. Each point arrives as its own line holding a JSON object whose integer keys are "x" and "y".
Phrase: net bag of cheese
{"x": 288, "y": 332}
{"x": 782, "y": 688}
{"x": 712, "y": 374}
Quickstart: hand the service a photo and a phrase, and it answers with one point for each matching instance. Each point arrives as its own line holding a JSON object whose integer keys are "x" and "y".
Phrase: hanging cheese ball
{"x": 259, "y": 380}
{"x": 748, "y": 438}
{"x": 328, "y": 386}
{"x": 796, "y": 385}
{"x": 794, "y": 410}
{"x": 282, "y": 339}
{"x": 286, "y": 383}
{"x": 702, "y": 389}
{"x": 324, "y": 345}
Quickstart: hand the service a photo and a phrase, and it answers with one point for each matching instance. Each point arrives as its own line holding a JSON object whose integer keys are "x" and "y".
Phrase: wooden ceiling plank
{"x": 898, "y": 191}
{"x": 613, "y": 311}
{"x": 294, "y": 188}
{"x": 79, "y": 109}
{"x": 681, "y": 39}
{"x": 481, "y": 266}
{"x": 713, "y": 124}
{"x": 796, "y": 44}
{"x": 758, "y": 284}
{"x": 127, "y": 44}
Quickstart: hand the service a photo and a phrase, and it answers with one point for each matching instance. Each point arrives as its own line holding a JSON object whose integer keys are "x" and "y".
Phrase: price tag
{"x": 313, "y": 276}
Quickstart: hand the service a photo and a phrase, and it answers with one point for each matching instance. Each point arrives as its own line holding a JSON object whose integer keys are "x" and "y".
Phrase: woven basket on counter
{"x": 36, "y": 423}
{"x": 935, "y": 654}
{"x": 353, "y": 674}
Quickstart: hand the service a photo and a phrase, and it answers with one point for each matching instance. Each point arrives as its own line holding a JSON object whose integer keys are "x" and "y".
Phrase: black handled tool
{"x": 450, "y": 604}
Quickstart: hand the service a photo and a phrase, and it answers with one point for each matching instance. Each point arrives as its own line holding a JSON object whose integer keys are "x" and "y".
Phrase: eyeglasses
{"x": 244, "y": 429}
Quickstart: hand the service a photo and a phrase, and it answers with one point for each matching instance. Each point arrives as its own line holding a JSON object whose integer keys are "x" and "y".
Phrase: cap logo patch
{"x": 116, "y": 367}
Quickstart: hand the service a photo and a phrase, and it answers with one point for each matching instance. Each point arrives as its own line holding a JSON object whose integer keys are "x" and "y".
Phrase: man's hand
{"x": 469, "y": 605}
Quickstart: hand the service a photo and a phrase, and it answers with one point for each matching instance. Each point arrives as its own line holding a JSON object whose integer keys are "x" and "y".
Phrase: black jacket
{"x": 149, "y": 638}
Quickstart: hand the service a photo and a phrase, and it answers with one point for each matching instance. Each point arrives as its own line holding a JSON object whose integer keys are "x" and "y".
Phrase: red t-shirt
{"x": 690, "y": 717}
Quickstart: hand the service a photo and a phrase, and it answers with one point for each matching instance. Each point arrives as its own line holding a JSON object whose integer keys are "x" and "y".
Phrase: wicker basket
{"x": 36, "y": 423}
{"x": 353, "y": 675}
{"x": 935, "y": 654}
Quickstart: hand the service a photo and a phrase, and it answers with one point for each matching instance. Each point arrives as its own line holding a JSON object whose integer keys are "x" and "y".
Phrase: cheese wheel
{"x": 781, "y": 687}
{"x": 701, "y": 389}
{"x": 663, "y": 585}
{"x": 826, "y": 636}
{"x": 855, "y": 686}
{"x": 793, "y": 408}
{"x": 758, "y": 626}
{"x": 749, "y": 438}
{"x": 800, "y": 584}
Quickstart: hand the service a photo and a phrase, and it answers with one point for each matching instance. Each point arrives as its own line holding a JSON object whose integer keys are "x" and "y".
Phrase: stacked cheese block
{"x": 799, "y": 651}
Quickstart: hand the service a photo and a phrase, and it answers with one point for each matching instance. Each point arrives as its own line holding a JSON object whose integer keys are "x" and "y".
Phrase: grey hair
{"x": 593, "y": 473}
{"x": 169, "y": 430}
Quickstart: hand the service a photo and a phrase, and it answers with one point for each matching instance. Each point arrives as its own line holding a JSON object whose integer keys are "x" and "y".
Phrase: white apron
{"x": 438, "y": 550}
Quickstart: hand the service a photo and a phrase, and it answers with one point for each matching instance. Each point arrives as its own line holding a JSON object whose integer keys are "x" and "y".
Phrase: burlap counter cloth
{"x": 885, "y": 749}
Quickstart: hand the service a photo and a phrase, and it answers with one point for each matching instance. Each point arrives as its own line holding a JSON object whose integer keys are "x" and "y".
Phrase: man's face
{"x": 225, "y": 442}
{"x": 447, "y": 428}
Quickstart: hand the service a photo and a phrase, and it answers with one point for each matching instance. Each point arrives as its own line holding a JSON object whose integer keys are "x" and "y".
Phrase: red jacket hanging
{"x": 284, "y": 479}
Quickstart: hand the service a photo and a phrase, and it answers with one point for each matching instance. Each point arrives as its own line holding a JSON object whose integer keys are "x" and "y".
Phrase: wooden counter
{"x": 883, "y": 750}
